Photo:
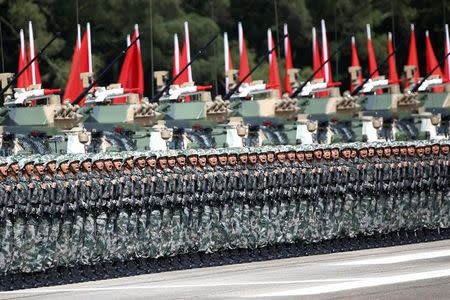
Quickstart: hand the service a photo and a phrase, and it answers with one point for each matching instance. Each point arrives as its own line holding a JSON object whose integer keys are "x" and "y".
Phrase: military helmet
{"x": 211, "y": 152}
{"x": 3, "y": 161}
{"x": 117, "y": 156}
{"x": 138, "y": 154}
{"x": 25, "y": 161}
{"x": 191, "y": 152}
{"x": 61, "y": 159}
{"x": 127, "y": 155}
{"x": 39, "y": 160}
{"x": 13, "y": 159}
{"x": 84, "y": 158}
{"x": 97, "y": 157}
{"x": 151, "y": 154}
{"x": 50, "y": 158}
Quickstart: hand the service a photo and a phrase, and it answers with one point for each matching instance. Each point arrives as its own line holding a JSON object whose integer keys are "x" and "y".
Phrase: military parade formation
{"x": 74, "y": 210}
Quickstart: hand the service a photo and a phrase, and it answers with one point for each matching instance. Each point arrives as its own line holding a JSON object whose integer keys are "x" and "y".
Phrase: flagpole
{"x": 31, "y": 45}
{"x": 1, "y": 48}
{"x": 151, "y": 47}
{"x": 88, "y": 29}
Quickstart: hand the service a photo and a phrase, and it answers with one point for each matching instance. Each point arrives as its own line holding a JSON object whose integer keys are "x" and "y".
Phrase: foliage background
{"x": 111, "y": 20}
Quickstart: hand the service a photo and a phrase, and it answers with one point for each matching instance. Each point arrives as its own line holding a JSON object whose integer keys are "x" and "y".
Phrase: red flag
{"x": 431, "y": 62}
{"x": 412, "y": 56}
{"x": 447, "y": 59}
{"x": 393, "y": 75}
{"x": 23, "y": 81}
{"x": 185, "y": 57}
{"x": 355, "y": 63}
{"x": 34, "y": 73}
{"x": 288, "y": 61}
{"x": 132, "y": 72}
{"x": 244, "y": 67}
{"x": 373, "y": 67}
{"x": 80, "y": 64}
{"x": 274, "y": 74}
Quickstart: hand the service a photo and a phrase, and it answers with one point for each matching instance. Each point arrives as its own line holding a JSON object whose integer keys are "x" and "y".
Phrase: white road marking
{"x": 364, "y": 283}
{"x": 395, "y": 259}
{"x": 166, "y": 286}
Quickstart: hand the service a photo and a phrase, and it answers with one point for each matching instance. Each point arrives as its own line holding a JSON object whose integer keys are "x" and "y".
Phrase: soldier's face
{"x": 151, "y": 162}
{"x": 108, "y": 165}
{"x": 353, "y": 153}
{"x": 51, "y": 166}
{"x": 270, "y": 157}
{"x": 39, "y": 169}
{"x": 262, "y": 158}
{"x": 427, "y": 150}
{"x": 419, "y": 151}
{"x": 309, "y": 155}
{"x": 117, "y": 165}
{"x": 281, "y": 157}
{"x": 318, "y": 154}
{"x": 371, "y": 152}
{"x": 87, "y": 165}
{"x": 291, "y": 156}
{"x": 411, "y": 151}
{"x": 395, "y": 151}
{"x": 403, "y": 151}
{"x": 300, "y": 156}
{"x": 326, "y": 154}
{"x": 243, "y": 159}
{"x": 222, "y": 160}
{"x": 141, "y": 162}
{"x": 232, "y": 160}
{"x": 202, "y": 161}
{"x": 445, "y": 149}
{"x": 181, "y": 161}
{"x": 212, "y": 160}
{"x": 162, "y": 163}
{"x": 129, "y": 163}
{"x": 435, "y": 149}
{"x": 379, "y": 152}
{"x": 363, "y": 153}
{"x": 335, "y": 153}
{"x": 346, "y": 153}
{"x": 387, "y": 152}
{"x": 193, "y": 160}
{"x": 252, "y": 158}
{"x": 99, "y": 165}
{"x": 171, "y": 162}
{"x": 64, "y": 167}
{"x": 29, "y": 169}
{"x": 4, "y": 170}
{"x": 75, "y": 166}
{"x": 15, "y": 168}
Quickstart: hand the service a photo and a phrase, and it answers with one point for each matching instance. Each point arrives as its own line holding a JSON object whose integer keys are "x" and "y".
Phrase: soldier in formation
{"x": 116, "y": 206}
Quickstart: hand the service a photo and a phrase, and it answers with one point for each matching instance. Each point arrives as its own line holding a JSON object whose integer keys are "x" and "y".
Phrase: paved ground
{"x": 420, "y": 271}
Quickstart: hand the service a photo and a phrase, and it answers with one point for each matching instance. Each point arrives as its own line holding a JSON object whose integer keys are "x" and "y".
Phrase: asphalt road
{"x": 419, "y": 271}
